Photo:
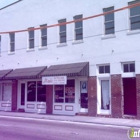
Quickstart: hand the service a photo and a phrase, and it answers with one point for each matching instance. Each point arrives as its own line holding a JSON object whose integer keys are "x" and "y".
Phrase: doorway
{"x": 129, "y": 90}
{"x": 83, "y": 96}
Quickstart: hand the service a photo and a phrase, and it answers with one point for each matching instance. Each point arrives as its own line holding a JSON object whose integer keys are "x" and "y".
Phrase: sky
{"x": 4, "y": 3}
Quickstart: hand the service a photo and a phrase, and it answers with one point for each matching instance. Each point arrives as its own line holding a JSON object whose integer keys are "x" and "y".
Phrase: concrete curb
{"x": 70, "y": 120}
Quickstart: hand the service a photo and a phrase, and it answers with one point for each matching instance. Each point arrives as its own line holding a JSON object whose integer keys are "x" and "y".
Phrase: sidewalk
{"x": 83, "y": 119}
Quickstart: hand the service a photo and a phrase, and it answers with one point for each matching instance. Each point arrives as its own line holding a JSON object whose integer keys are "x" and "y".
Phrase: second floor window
{"x": 134, "y": 16}
{"x": 12, "y": 42}
{"x": 31, "y": 38}
{"x": 62, "y": 31}
{"x": 78, "y": 28}
{"x": 109, "y": 21}
{"x": 43, "y": 36}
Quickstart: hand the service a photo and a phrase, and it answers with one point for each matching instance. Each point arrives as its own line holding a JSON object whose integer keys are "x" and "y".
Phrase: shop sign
{"x": 55, "y": 80}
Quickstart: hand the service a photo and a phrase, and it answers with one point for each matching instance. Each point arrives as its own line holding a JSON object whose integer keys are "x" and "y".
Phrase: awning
{"x": 3, "y": 73}
{"x": 74, "y": 69}
{"x": 25, "y": 73}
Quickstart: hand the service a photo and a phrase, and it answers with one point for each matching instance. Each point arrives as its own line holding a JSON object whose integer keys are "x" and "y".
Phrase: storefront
{"x": 29, "y": 91}
{"x": 70, "y": 97}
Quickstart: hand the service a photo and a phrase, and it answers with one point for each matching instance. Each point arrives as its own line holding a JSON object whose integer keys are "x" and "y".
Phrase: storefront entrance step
{"x": 21, "y": 110}
{"x": 81, "y": 114}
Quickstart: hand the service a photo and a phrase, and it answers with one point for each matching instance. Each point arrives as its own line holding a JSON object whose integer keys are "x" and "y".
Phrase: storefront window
{"x": 41, "y": 92}
{"x": 70, "y": 91}
{"x": 31, "y": 91}
{"x": 6, "y": 91}
{"x": 59, "y": 93}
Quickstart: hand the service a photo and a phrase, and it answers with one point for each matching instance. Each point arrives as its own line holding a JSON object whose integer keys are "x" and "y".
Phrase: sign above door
{"x": 54, "y": 80}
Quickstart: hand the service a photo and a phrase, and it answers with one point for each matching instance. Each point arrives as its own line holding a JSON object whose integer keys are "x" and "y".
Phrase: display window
{"x": 36, "y": 91}
{"x": 68, "y": 89}
{"x": 6, "y": 91}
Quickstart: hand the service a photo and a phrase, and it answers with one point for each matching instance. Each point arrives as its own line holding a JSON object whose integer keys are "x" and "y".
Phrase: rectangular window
{"x": 59, "y": 93}
{"x": 31, "y": 37}
{"x": 12, "y": 42}
{"x": 65, "y": 94}
{"x": 104, "y": 69}
{"x": 62, "y": 31}
{"x": 41, "y": 92}
{"x": 70, "y": 91}
{"x": 22, "y": 99}
{"x": 109, "y": 21}
{"x": 130, "y": 67}
{"x": 6, "y": 91}
{"x": 43, "y": 35}
{"x": 78, "y": 28}
{"x": 31, "y": 91}
{"x": 134, "y": 16}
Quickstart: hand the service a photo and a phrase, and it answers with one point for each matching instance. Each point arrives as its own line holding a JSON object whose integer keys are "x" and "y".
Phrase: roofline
{"x": 10, "y": 4}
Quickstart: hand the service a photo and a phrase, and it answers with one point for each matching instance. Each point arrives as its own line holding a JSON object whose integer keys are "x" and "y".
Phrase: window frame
{"x": 103, "y": 69}
{"x": 43, "y": 36}
{"x": 31, "y": 29}
{"x": 77, "y": 17}
{"x": 12, "y": 42}
{"x": 128, "y": 67}
{"x": 130, "y": 17}
{"x": 109, "y": 21}
{"x": 64, "y": 94}
{"x": 61, "y": 32}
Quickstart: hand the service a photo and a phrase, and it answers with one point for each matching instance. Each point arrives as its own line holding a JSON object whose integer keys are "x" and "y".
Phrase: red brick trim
{"x": 49, "y": 99}
{"x": 92, "y": 96}
{"x": 116, "y": 96}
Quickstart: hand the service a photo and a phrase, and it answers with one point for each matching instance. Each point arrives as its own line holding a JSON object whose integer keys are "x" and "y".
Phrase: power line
{"x": 73, "y": 21}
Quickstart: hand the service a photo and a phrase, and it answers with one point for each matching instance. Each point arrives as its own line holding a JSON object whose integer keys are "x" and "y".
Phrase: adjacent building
{"x": 95, "y": 61}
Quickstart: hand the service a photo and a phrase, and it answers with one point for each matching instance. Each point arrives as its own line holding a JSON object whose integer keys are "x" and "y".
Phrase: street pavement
{"x": 83, "y": 119}
{"x": 23, "y": 128}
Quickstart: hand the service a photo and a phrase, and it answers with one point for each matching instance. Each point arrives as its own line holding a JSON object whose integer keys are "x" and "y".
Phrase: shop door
{"x": 104, "y": 106}
{"x": 129, "y": 90}
{"x": 83, "y": 96}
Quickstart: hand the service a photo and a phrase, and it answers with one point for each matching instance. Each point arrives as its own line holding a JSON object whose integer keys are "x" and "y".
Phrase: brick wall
{"x": 138, "y": 94}
{"x": 49, "y": 99}
{"x": 92, "y": 96}
{"x": 116, "y": 96}
{"x": 14, "y": 95}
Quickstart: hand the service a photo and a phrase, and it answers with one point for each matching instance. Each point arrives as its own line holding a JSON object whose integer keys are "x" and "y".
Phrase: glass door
{"x": 105, "y": 96}
{"x": 83, "y": 96}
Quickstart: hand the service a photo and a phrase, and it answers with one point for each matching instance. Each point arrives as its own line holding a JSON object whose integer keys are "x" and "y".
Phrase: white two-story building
{"x": 91, "y": 46}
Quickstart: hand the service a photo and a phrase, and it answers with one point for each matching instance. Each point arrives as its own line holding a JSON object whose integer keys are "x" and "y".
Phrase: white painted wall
{"x": 123, "y": 47}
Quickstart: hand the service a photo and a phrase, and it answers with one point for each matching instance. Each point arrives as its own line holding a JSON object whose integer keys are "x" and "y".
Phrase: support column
{"x": 49, "y": 99}
{"x": 116, "y": 96}
{"x": 138, "y": 94}
{"x": 92, "y": 96}
{"x": 14, "y": 95}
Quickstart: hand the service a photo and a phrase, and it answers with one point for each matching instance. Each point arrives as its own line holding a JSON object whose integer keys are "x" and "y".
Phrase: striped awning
{"x": 26, "y": 73}
{"x": 73, "y": 69}
{"x": 3, "y": 73}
